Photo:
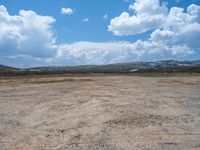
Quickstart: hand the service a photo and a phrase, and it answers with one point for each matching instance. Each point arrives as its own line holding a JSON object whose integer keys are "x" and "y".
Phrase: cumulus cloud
{"x": 27, "y": 33}
{"x": 85, "y": 20}
{"x": 67, "y": 11}
{"x": 85, "y": 52}
{"x": 98, "y": 52}
{"x": 180, "y": 29}
{"x": 175, "y": 32}
{"x": 27, "y": 39}
{"x": 149, "y": 14}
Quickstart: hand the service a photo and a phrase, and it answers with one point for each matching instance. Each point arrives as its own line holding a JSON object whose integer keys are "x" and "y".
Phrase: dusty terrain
{"x": 100, "y": 112}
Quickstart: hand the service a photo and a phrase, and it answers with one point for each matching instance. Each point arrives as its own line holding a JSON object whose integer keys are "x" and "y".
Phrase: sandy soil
{"x": 100, "y": 112}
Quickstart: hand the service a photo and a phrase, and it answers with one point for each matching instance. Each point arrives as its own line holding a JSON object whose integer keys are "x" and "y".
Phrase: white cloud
{"x": 105, "y": 17}
{"x": 27, "y": 39}
{"x": 176, "y": 33}
{"x": 98, "y": 52}
{"x": 23, "y": 61}
{"x": 181, "y": 28}
{"x": 84, "y": 52}
{"x": 177, "y": 37}
{"x": 149, "y": 14}
{"x": 26, "y": 33}
{"x": 86, "y": 20}
{"x": 194, "y": 11}
{"x": 67, "y": 11}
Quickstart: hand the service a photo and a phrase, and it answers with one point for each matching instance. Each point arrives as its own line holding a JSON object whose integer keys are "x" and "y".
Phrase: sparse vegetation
{"x": 136, "y": 68}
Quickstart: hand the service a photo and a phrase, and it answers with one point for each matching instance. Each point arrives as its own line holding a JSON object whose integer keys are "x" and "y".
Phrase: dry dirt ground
{"x": 100, "y": 112}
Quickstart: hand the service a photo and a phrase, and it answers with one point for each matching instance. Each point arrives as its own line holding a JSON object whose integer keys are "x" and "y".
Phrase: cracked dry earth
{"x": 100, "y": 112}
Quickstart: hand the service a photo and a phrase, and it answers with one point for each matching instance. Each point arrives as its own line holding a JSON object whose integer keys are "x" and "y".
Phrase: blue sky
{"x": 76, "y": 32}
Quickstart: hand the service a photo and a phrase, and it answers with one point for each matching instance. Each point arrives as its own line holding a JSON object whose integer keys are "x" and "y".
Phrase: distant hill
{"x": 158, "y": 66}
{"x": 4, "y": 68}
{"x": 169, "y": 65}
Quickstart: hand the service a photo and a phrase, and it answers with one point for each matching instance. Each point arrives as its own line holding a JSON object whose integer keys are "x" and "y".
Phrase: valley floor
{"x": 111, "y": 112}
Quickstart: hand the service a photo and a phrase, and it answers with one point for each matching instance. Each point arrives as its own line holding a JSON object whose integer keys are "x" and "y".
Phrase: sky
{"x": 79, "y": 32}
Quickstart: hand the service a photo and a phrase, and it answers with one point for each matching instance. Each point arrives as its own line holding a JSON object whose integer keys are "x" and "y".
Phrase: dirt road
{"x": 100, "y": 112}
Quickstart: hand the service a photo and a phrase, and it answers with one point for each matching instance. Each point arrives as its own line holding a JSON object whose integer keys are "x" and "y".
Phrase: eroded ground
{"x": 100, "y": 112}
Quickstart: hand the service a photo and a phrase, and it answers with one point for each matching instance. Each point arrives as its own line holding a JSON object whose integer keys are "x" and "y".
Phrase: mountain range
{"x": 157, "y": 66}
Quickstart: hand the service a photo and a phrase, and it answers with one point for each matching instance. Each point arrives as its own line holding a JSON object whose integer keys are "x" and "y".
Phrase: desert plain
{"x": 100, "y": 112}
